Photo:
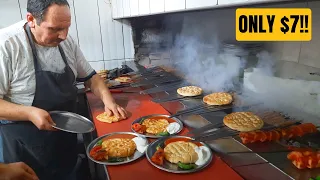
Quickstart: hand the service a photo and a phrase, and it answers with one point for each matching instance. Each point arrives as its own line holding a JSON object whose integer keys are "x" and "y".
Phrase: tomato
{"x": 95, "y": 150}
{"x": 139, "y": 128}
{"x": 158, "y": 157}
{"x": 294, "y": 155}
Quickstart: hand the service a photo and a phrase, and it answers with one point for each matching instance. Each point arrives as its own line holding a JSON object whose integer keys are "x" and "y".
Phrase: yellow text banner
{"x": 273, "y": 24}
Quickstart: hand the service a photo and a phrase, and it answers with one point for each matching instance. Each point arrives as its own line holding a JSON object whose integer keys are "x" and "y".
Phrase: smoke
{"x": 205, "y": 66}
{"x": 197, "y": 53}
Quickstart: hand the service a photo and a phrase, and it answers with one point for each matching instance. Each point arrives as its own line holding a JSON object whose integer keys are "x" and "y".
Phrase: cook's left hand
{"x": 115, "y": 109}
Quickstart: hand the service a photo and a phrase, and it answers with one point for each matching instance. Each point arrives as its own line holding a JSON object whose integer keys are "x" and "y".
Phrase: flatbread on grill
{"x": 155, "y": 126}
{"x": 123, "y": 79}
{"x": 119, "y": 147}
{"x": 218, "y": 99}
{"x": 181, "y": 151}
{"x": 189, "y": 91}
{"x": 243, "y": 121}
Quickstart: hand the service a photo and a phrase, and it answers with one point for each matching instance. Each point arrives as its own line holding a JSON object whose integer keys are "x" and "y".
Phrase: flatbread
{"x": 218, "y": 99}
{"x": 189, "y": 91}
{"x": 181, "y": 151}
{"x": 119, "y": 147}
{"x": 155, "y": 126}
{"x": 103, "y": 117}
{"x": 123, "y": 79}
{"x": 243, "y": 121}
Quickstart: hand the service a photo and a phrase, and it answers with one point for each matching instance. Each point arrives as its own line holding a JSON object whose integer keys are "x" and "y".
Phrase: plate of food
{"x": 179, "y": 154}
{"x": 157, "y": 126}
{"x": 117, "y": 148}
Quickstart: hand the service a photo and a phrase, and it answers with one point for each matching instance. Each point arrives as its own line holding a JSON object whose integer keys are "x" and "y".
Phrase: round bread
{"x": 181, "y": 151}
{"x": 103, "y": 117}
{"x": 123, "y": 79}
{"x": 218, "y": 99}
{"x": 155, "y": 126}
{"x": 119, "y": 147}
{"x": 102, "y": 71}
{"x": 189, "y": 91}
{"x": 243, "y": 121}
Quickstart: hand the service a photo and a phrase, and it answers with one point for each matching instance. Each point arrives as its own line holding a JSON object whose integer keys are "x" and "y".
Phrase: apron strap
{"x": 33, "y": 48}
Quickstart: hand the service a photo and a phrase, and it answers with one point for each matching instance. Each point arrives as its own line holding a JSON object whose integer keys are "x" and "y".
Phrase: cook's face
{"x": 54, "y": 27}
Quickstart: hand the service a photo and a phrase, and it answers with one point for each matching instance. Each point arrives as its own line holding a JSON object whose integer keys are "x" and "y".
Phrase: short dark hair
{"x": 38, "y": 8}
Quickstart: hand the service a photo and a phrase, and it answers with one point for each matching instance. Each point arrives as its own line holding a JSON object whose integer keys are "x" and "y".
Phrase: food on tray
{"x": 243, "y": 121}
{"x": 157, "y": 125}
{"x": 103, "y": 74}
{"x": 189, "y": 91}
{"x": 123, "y": 79}
{"x": 218, "y": 99}
{"x": 182, "y": 152}
{"x": 119, "y": 147}
{"x": 305, "y": 159}
{"x": 274, "y": 135}
{"x": 116, "y": 149}
{"x": 104, "y": 117}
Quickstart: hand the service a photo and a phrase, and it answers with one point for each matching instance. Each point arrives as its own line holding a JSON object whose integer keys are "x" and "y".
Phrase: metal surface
{"x": 134, "y": 157}
{"x": 171, "y": 86}
{"x": 156, "y": 115}
{"x": 251, "y": 166}
{"x": 170, "y": 167}
{"x": 71, "y": 122}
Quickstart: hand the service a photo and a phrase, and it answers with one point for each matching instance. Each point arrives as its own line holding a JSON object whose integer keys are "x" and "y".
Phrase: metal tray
{"x": 156, "y": 115}
{"x": 170, "y": 167}
{"x": 134, "y": 157}
{"x": 71, "y": 122}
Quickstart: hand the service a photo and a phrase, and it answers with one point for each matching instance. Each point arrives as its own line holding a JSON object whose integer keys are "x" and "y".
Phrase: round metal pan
{"x": 71, "y": 122}
{"x": 170, "y": 167}
{"x": 156, "y": 115}
{"x": 134, "y": 157}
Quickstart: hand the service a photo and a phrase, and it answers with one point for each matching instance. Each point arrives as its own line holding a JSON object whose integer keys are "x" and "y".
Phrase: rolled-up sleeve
{"x": 5, "y": 71}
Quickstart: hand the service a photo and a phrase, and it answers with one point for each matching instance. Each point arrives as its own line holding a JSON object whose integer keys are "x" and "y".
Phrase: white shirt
{"x": 17, "y": 74}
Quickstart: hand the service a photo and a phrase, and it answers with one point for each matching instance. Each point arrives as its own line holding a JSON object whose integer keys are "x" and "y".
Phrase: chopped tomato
{"x": 294, "y": 155}
{"x": 95, "y": 150}
{"x": 299, "y": 164}
{"x": 158, "y": 157}
{"x": 97, "y": 153}
{"x": 139, "y": 128}
{"x": 312, "y": 162}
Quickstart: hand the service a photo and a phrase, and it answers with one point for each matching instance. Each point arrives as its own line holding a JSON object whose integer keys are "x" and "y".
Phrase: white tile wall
{"x": 99, "y": 65}
{"x": 310, "y": 51}
{"x": 10, "y": 14}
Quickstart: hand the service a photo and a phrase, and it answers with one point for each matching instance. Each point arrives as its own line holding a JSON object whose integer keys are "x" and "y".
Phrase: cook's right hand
{"x": 17, "y": 171}
{"x": 41, "y": 119}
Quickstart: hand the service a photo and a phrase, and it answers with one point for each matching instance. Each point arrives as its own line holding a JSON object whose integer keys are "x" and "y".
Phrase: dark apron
{"x": 52, "y": 154}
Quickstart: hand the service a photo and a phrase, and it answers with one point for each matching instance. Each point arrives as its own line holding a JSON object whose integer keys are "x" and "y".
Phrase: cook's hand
{"x": 41, "y": 119}
{"x": 115, "y": 109}
{"x": 17, "y": 171}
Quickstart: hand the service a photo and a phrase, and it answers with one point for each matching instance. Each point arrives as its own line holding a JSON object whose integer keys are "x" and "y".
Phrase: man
{"x": 17, "y": 171}
{"x": 39, "y": 64}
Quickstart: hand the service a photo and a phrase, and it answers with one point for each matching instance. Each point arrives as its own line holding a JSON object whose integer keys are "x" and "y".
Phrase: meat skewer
{"x": 276, "y": 134}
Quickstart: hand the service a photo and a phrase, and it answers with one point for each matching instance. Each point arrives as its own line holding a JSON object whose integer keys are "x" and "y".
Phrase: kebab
{"x": 277, "y": 134}
{"x": 305, "y": 159}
